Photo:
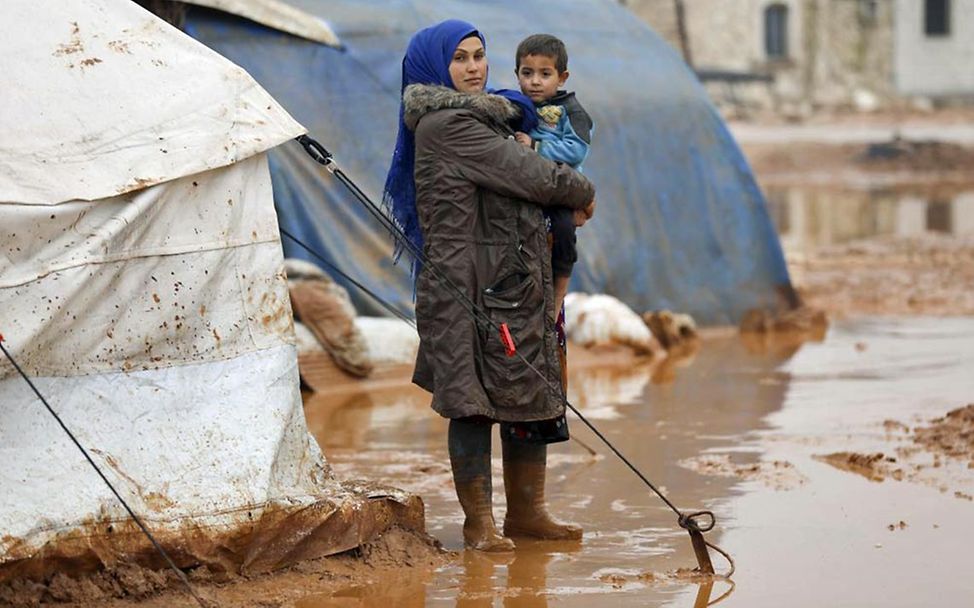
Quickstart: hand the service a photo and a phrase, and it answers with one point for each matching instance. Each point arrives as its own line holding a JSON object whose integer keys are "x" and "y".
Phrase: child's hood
{"x": 558, "y": 99}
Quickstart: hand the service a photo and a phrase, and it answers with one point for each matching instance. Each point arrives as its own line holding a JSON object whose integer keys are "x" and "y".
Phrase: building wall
{"x": 934, "y": 66}
{"x": 839, "y": 51}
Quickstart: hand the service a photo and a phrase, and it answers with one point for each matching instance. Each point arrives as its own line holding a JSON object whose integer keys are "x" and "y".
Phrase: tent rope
{"x": 321, "y": 155}
{"x": 382, "y": 302}
{"x": 182, "y": 575}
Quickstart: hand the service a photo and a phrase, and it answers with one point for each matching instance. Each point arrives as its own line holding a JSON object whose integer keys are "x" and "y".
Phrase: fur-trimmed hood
{"x": 421, "y": 99}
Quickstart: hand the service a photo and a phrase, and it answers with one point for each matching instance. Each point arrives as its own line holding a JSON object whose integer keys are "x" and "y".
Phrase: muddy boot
{"x": 469, "y": 444}
{"x": 524, "y": 479}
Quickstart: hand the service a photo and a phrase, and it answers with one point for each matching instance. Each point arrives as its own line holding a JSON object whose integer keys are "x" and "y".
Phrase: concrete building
{"x": 934, "y": 48}
{"x": 822, "y": 53}
{"x": 808, "y": 219}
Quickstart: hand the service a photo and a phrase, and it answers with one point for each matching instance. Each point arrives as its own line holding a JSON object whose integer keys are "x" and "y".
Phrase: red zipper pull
{"x": 507, "y": 340}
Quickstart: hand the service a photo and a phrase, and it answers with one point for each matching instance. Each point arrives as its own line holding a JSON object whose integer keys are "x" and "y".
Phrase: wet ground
{"x": 875, "y": 250}
{"x": 825, "y": 462}
{"x": 741, "y": 428}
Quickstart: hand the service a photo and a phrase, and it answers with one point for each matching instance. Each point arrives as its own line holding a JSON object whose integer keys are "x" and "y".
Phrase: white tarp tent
{"x": 277, "y": 15}
{"x": 141, "y": 286}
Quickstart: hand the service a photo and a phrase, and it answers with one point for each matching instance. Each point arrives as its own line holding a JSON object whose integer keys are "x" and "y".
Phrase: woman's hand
{"x": 583, "y": 215}
{"x": 523, "y": 138}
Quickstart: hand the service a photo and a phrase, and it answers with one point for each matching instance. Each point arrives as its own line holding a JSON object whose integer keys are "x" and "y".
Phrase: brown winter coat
{"x": 479, "y": 195}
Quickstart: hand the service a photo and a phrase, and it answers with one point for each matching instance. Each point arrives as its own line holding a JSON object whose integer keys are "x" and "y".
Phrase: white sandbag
{"x": 390, "y": 341}
{"x": 600, "y": 319}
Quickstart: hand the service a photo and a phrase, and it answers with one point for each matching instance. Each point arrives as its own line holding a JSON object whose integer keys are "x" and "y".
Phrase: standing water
{"x": 747, "y": 428}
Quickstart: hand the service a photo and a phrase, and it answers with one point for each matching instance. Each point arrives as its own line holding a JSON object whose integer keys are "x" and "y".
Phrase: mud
{"x": 928, "y": 274}
{"x": 395, "y": 551}
{"x": 777, "y": 474}
{"x": 113, "y": 559}
{"x": 123, "y": 581}
{"x": 130, "y": 585}
{"x": 874, "y": 467}
{"x": 895, "y": 161}
{"x": 940, "y": 442}
{"x": 951, "y": 435}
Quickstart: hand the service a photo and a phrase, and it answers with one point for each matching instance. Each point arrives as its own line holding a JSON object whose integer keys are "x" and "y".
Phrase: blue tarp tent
{"x": 681, "y": 223}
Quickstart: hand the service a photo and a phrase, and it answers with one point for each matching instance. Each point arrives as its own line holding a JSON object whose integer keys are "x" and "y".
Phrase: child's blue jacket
{"x": 567, "y": 140}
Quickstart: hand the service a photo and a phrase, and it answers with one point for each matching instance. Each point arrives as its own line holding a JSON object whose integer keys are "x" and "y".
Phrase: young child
{"x": 563, "y": 134}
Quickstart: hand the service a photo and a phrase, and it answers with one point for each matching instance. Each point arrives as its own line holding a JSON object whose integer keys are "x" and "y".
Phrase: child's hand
{"x": 583, "y": 215}
{"x": 523, "y": 138}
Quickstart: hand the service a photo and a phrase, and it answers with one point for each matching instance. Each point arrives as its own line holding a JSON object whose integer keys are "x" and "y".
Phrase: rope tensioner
{"x": 688, "y": 522}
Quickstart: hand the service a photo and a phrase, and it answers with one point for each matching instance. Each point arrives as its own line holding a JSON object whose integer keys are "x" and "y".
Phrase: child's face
{"x": 539, "y": 78}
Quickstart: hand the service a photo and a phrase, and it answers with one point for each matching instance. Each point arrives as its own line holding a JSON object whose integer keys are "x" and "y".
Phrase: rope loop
{"x": 689, "y": 521}
{"x": 318, "y": 152}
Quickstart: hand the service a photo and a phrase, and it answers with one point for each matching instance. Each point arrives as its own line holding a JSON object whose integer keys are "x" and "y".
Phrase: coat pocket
{"x": 517, "y": 301}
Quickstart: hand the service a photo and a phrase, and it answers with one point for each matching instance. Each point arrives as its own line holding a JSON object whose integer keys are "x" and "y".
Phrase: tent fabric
{"x": 680, "y": 223}
{"x": 155, "y": 318}
{"x": 179, "y": 442}
{"x": 183, "y": 272}
{"x": 126, "y": 101}
{"x": 278, "y": 15}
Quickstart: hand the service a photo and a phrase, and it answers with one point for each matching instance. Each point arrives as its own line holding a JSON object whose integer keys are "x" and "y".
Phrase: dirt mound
{"x": 901, "y": 161}
{"x": 874, "y": 467}
{"x": 131, "y": 585}
{"x": 952, "y": 435}
{"x": 399, "y": 548}
{"x": 122, "y": 581}
{"x": 949, "y": 437}
{"x": 911, "y": 155}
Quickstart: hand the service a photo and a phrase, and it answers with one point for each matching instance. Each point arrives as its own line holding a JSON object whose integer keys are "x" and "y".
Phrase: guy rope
{"x": 138, "y": 521}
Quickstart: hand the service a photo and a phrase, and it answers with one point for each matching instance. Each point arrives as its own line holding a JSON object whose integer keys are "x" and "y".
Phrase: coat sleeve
{"x": 502, "y": 165}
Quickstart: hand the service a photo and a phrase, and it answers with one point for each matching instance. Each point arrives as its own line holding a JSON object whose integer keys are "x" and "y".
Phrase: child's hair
{"x": 545, "y": 45}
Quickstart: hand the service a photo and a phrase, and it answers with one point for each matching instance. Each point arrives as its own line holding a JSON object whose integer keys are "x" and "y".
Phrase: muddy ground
{"x": 774, "y": 435}
{"x": 931, "y": 274}
{"x": 880, "y": 227}
{"x": 390, "y": 555}
{"x": 917, "y": 452}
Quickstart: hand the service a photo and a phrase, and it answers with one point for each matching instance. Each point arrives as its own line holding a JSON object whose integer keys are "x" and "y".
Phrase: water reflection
{"x": 702, "y": 399}
{"x": 809, "y": 218}
{"x": 520, "y": 580}
{"x": 403, "y": 591}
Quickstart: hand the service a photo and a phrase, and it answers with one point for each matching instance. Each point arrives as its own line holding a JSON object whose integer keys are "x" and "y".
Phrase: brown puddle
{"x": 741, "y": 429}
{"x": 749, "y": 428}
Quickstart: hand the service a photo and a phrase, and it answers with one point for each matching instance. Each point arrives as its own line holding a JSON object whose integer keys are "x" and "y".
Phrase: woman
{"x": 469, "y": 195}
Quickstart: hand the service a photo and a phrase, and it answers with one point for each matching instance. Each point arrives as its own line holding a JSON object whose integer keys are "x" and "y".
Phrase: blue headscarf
{"x": 427, "y": 61}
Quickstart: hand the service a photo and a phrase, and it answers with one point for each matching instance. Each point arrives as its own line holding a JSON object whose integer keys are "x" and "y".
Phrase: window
{"x": 868, "y": 12}
{"x": 776, "y": 31}
{"x": 939, "y": 216}
{"x": 936, "y": 17}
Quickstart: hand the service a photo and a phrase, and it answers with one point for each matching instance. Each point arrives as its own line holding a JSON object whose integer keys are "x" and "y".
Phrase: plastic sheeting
{"x": 154, "y": 319}
{"x": 100, "y": 98}
{"x": 681, "y": 223}
{"x": 177, "y": 442}
{"x": 278, "y": 15}
{"x": 182, "y": 272}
